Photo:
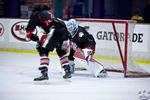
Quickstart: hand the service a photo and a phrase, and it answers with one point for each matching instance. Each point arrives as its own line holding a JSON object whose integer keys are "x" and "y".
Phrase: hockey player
{"x": 56, "y": 36}
{"x": 85, "y": 41}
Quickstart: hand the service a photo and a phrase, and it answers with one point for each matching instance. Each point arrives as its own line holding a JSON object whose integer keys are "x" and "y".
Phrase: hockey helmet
{"x": 72, "y": 26}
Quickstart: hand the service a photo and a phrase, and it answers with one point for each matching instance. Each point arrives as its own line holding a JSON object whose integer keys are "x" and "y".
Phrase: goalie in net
{"x": 85, "y": 43}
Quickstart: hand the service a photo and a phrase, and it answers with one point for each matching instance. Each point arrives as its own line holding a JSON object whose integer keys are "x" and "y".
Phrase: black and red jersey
{"x": 83, "y": 39}
{"x": 46, "y": 21}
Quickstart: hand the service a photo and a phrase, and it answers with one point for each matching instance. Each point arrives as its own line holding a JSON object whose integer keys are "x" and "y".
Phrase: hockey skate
{"x": 44, "y": 74}
{"x": 67, "y": 72}
{"x": 102, "y": 74}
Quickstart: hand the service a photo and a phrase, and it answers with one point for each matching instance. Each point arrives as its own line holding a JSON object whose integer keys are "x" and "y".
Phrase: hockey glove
{"x": 88, "y": 58}
{"x": 38, "y": 46}
{"x": 40, "y": 42}
{"x": 87, "y": 54}
{"x": 31, "y": 36}
{"x": 34, "y": 37}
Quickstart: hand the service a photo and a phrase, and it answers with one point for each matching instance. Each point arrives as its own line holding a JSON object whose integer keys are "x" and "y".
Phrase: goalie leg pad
{"x": 92, "y": 66}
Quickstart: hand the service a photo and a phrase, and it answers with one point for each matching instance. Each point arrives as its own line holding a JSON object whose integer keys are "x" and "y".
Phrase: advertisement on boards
{"x": 1, "y": 32}
{"x": 105, "y": 36}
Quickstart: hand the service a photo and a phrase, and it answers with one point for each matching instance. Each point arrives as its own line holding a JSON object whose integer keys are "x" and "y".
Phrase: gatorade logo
{"x": 1, "y": 29}
{"x": 18, "y": 30}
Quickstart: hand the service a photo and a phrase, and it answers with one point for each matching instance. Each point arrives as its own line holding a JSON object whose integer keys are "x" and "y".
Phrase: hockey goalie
{"x": 83, "y": 48}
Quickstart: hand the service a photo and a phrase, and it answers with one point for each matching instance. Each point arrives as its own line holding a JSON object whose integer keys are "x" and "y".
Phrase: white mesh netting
{"x": 107, "y": 49}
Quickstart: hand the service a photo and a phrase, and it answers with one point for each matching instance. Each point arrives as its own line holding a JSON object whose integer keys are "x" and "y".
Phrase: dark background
{"x": 65, "y": 9}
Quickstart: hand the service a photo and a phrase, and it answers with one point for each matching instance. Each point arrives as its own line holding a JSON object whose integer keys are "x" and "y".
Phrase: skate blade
{"x": 53, "y": 82}
{"x": 68, "y": 80}
{"x": 43, "y": 82}
{"x": 103, "y": 76}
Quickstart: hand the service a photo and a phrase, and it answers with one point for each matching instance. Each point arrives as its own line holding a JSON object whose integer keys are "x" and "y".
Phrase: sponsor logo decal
{"x": 18, "y": 30}
{"x": 110, "y": 36}
{"x": 1, "y": 29}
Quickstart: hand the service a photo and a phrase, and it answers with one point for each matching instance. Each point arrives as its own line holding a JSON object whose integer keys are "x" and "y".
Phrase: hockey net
{"x": 114, "y": 46}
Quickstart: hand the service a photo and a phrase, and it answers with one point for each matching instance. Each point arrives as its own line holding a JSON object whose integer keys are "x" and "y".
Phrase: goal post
{"x": 114, "y": 45}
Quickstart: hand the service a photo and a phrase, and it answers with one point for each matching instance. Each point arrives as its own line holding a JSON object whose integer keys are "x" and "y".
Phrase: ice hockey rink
{"x": 17, "y": 71}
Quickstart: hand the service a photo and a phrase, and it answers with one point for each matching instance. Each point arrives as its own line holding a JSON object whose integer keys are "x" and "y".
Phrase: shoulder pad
{"x": 81, "y": 34}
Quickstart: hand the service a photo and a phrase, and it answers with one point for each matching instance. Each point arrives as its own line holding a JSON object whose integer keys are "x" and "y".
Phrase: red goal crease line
{"x": 94, "y": 57}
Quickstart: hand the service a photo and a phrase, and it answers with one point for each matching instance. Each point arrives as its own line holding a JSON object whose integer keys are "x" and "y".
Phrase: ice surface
{"x": 17, "y": 71}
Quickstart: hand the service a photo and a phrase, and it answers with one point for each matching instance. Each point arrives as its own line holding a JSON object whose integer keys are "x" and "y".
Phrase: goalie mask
{"x": 72, "y": 26}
